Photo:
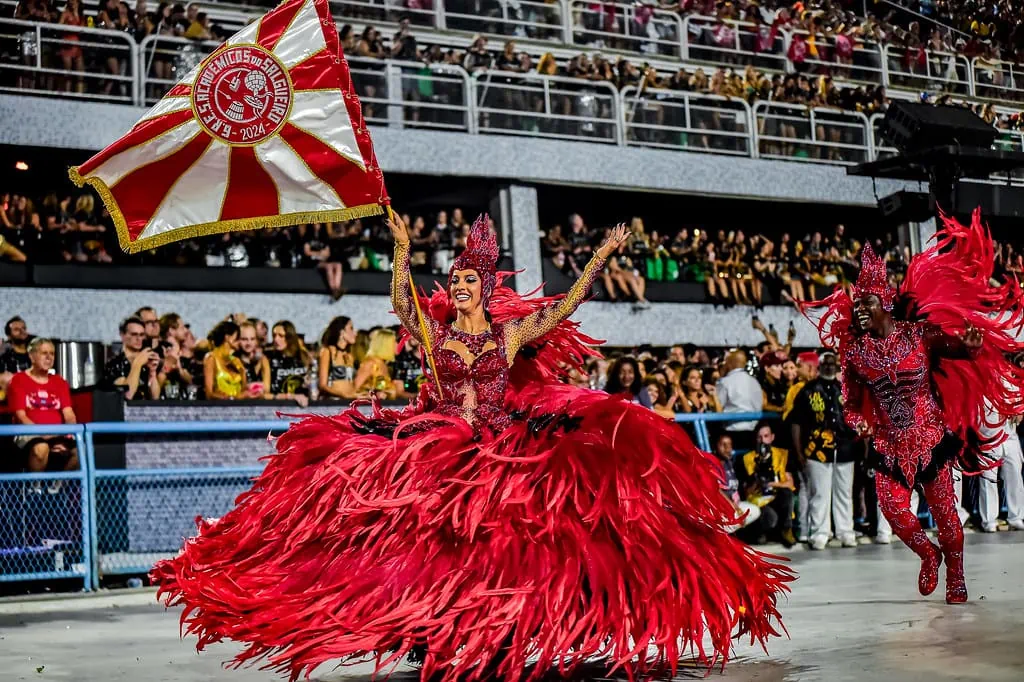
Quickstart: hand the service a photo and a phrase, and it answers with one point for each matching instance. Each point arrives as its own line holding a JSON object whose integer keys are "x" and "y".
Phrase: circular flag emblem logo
{"x": 242, "y": 95}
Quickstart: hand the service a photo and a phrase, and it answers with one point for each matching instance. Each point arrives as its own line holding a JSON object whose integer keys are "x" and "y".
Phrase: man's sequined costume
{"x": 920, "y": 390}
{"x": 502, "y": 525}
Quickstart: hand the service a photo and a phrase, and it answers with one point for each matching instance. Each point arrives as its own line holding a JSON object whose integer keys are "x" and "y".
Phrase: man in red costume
{"x": 918, "y": 364}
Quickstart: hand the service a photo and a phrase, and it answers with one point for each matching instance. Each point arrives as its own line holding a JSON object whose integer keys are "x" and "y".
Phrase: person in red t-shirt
{"x": 38, "y": 397}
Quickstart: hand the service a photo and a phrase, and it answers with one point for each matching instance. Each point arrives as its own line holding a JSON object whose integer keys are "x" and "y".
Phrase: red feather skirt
{"x": 590, "y": 529}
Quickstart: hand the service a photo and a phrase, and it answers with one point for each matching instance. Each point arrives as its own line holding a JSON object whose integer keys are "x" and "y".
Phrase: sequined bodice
{"x": 897, "y": 372}
{"x": 473, "y": 385}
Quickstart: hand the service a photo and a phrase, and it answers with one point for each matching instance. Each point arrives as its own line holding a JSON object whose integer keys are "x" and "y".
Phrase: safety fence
{"x": 92, "y": 522}
{"x": 94, "y": 63}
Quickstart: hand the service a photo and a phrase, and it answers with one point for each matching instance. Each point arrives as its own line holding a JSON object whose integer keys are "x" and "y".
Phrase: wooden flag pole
{"x": 423, "y": 322}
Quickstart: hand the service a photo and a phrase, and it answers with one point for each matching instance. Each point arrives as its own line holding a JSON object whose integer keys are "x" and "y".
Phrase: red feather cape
{"x": 950, "y": 285}
{"x": 590, "y": 528}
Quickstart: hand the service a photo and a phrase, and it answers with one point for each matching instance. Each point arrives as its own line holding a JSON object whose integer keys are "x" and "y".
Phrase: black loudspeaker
{"x": 907, "y": 207}
{"x": 911, "y": 127}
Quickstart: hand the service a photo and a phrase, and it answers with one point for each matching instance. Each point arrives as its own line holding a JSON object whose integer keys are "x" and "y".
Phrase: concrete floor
{"x": 854, "y": 615}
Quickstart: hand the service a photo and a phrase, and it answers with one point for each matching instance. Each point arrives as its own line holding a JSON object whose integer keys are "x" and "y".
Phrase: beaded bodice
{"x": 473, "y": 372}
{"x": 897, "y": 373}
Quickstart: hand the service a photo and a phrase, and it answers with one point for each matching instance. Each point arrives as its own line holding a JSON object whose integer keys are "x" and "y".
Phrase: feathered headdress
{"x": 481, "y": 254}
{"x": 873, "y": 279}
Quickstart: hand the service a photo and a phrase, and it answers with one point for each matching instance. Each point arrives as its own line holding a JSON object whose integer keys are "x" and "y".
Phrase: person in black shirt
{"x": 403, "y": 45}
{"x": 408, "y": 370}
{"x": 15, "y": 357}
{"x": 825, "y": 449}
{"x": 289, "y": 365}
{"x": 134, "y": 370}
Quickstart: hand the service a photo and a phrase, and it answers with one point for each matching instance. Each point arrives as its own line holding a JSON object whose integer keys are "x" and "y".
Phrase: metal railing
{"x": 712, "y": 40}
{"x": 547, "y": 106}
{"x": 92, "y": 522}
{"x": 668, "y": 119}
{"x": 927, "y": 70}
{"x": 165, "y": 60}
{"x": 790, "y": 131}
{"x": 71, "y": 61}
{"x": 865, "y": 64}
{"x": 533, "y": 19}
{"x": 387, "y": 10}
{"x": 629, "y": 27}
{"x": 998, "y": 80}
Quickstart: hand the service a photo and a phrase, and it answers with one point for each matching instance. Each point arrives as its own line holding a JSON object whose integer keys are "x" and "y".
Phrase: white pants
{"x": 1010, "y": 470}
{"x": 885, "y": 530}
{"x": 830, "y": 496}
{"x": 753, "y": 513}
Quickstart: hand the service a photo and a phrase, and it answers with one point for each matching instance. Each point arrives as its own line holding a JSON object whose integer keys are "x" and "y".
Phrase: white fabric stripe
{"x": 323, "y": 114}
{"x": 198, "y": 195}
{"x": 166, "y": 106}
{"x": 246, "y": 35}
{"x": 298, "y": 189}
{"x": 302, "y": 38}
{"x": 121, "y": 164}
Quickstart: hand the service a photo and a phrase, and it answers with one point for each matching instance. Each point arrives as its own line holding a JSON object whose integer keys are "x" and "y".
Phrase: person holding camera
{"x": 134, "y": 371}
{"x": 769, "y": 485}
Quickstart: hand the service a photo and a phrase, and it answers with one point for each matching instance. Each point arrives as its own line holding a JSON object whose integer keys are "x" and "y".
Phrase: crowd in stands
{"x": 733, "y": 268}
{"x": 76, "y": 228}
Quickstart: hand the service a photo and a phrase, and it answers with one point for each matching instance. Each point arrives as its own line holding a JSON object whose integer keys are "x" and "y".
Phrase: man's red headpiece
{"x": 481, "y": 254}
{"x": 874, "y": 279}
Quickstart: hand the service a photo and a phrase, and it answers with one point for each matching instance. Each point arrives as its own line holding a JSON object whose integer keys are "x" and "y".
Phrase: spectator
{"x": 746, "y": 512}
{"x": 625, "y": 377}
{"x": 39, "y": 397}
{"x": 289, "y": 365}
{"x": 477, "y": 57}
{"x": 403, "y": 44}
{"x": 769, "y": 485}
{"x": 250, "y": 354}
{"x": 224, "y": 376}
{"x": 336, "y": 365}
{"x": 738, "y": 392}
{"x": 374, "y": 378}
{"x": 15, "y": 357}
{"x": 262, "y": 332}
{"x": 824, "y": 447}
{"x": 806, "y": 370}
{"x": 133, "y": 371}
{"x": 10, "y": 252}
{"x": 152, "y": 323}
{"x": 696, "y": 395}
{"x": 661, "y": 402}
{"x": 773, "y": 385}
{"x": 177, "y": 335}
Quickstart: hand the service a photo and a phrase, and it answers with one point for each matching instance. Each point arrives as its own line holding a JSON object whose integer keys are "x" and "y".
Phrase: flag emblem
{"x": 242, "y": 95}
{"x": 266, "y": 132}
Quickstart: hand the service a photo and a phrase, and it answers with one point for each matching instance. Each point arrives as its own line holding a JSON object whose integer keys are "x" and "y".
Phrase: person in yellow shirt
{"x": 806, "y": 370}
{"x": 768, "y": 484}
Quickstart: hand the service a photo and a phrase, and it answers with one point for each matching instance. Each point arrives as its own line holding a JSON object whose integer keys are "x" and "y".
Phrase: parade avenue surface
{"x": 854, "y": 615}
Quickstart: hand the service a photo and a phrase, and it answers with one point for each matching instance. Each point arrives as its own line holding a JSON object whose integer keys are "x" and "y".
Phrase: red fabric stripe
{"x": 273, "y": 25}
{"x": 140, "y": 193}
{"x": 180, "y": 90}
{"x": 316, "y": 73}
{"x": 251, "y": 191}
{"x": 355, "y": 187}
{"x": 142, "y": 132}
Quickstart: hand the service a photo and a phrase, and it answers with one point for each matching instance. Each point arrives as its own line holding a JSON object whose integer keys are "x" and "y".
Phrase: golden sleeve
{"x": 539, "y": 323}
{"x": 401, "y": 295}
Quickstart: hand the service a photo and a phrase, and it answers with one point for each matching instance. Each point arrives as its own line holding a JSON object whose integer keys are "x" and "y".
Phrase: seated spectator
{"x": 696, "y": 395}
{"x": 626, "y": 377}
{"x": 176, "y": 337}
{"x": 740, "y": 393}
{"x": 773, "y": 385}
{"x": 659, "y": 397}
{"x": 336, "y": 365}
{"x": 38, "y": 397}
{"x": 224, "y": 375}
{"x": 15, "y": 356}
{"x": 746, "y": 512}
{"x": 133, "y": 371}
{"x": 10, "y": 252}
{"x": 374, "y": 378}
{"x": 289, "y": 365}
{"x": 152, "y": 324}
{"x": 768, "y": 484}
{"x": 622, "y": 271}
{"x": 250, "y": 354}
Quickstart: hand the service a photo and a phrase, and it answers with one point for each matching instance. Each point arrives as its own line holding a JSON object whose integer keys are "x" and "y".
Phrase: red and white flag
{"x": 267, "y": 131}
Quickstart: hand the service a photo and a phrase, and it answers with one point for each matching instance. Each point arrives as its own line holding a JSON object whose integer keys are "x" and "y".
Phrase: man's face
{"x": 42, "y": 357}
{"x": 724, "y": 448}
{"x": 19, "y": 332}
{"x": 829, "y": 367}
{"x": 676, "y": 353}
{"x": 134, "y": 335}
{"x": 806, "y": 370}
{"x": 868, "y": 314}
{"x": 247, "y": 339}
{"x": 765, "y": 436}
{"x": 152, "y": 323}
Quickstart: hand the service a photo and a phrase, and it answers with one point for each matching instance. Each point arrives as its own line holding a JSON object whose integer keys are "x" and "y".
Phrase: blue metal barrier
{"x": 700, "y": 422}
{"x": 127, "y": 519}
{"x": 45, "y": 518}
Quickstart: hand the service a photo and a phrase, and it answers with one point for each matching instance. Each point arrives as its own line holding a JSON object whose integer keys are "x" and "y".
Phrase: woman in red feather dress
{"x": 501, "y": 525}
{"x": 921, "y": 366}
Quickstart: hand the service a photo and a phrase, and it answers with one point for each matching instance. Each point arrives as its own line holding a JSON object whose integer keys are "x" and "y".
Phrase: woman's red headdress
{"x": 481, "y": 254}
